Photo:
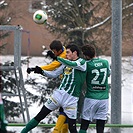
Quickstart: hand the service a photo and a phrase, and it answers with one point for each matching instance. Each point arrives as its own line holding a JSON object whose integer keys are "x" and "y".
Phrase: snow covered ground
{"x": 127, "y": 91}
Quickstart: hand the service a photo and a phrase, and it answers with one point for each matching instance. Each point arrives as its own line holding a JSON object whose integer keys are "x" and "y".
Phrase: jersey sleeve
{"x": 54, "y": 73}
{"x": 53, "y": 65}
{"x": 79, "y": 64}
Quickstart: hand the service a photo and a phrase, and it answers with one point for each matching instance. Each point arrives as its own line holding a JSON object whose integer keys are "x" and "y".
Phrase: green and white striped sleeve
{"x": 79, "y": 64}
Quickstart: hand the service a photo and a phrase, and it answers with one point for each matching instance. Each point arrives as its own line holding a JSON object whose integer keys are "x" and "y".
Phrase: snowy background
{"x": 127, "y": 91}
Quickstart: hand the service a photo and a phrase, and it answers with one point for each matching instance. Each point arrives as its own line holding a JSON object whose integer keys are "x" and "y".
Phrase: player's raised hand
{"x": 51, "y": 54}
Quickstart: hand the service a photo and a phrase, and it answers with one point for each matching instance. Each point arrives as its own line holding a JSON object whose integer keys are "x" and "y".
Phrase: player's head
{"x": 72, "y": 51}
{"x": 57, "y": 47}
{"x": 88, "y": 51}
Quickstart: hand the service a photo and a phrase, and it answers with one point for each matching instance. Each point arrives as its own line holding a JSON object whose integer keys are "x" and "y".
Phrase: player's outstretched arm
{"x": 79, "y": 64}
{"x": 54, "y": 73}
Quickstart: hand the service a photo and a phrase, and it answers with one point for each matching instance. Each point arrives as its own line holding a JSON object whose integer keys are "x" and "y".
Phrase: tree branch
{"x": 97, "y": 25}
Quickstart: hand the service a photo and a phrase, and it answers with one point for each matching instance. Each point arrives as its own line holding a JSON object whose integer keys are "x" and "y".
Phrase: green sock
{"x": 32, "y": 123}
{"x": 2, "y": 118}
{"x": 82, "y": 131}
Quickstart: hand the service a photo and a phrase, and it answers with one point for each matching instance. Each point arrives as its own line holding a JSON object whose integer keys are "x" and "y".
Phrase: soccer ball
{"x": 40, "y": 17}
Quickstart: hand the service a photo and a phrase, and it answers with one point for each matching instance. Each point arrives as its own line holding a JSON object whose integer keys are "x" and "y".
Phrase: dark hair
{"x": 89, "y": 50}
{"x": 73, "y": 48}
{"x": 56, "y": 44}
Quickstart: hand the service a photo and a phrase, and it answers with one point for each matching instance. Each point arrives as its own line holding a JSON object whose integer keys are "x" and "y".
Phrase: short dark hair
{"x": 73, "y": 48}
{"x": 89, "y": 50}
{"x": 56, "y": 44}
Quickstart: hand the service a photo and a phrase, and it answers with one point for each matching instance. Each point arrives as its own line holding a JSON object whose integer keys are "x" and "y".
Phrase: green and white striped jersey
{"x": 98, "y": 71}
{"x": 74, "y": 75}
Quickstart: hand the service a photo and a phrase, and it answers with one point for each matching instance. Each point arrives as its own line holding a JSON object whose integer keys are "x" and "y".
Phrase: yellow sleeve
{"x": 55, "y": 64}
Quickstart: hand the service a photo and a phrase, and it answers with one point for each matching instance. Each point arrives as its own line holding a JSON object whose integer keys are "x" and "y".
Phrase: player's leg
{"x": 70, "y": 109}
{"x": 72, "y": 125}
{"x": 61, "y": 126}
{"x": 100, "y": 126}
{"x": 86, "y": 115}
{"x": 60, "y": 121}
{"x": 35, "y": 121}
{"x": 64, "y": 128}
{"x": 84, "y": 126}
{"x": 71, "y": 112}
{"x": 51, "y": 104}
{"x": 3, "y": 122}
{"x": 101, "y": 115}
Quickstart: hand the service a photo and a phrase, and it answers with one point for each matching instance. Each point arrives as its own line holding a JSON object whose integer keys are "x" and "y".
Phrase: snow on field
{"x": 127, "y": 89}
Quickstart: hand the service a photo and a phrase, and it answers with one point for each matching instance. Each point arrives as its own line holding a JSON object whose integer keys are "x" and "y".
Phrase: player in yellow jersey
{"x": 59, "y": 50}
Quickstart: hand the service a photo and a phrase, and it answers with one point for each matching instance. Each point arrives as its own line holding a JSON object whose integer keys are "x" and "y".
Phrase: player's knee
{"x": 42, "y": 114}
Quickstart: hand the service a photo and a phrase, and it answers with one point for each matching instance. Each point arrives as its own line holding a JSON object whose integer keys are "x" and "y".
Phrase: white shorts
{"x": 95, "y": 109}
{"x": 61, "y": 98}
